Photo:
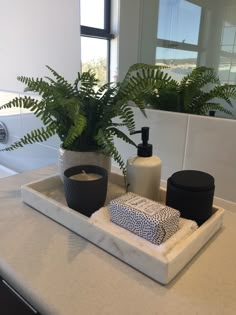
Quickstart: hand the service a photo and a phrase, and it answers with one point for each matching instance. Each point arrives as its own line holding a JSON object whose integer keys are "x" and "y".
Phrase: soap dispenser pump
{"x": 144, "y": 170}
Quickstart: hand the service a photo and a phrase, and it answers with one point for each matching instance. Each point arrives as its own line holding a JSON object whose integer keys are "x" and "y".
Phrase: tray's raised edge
{"x": 147, "y": 264}
{"x": 31, "y": 184}
{"x": 168, "y": 266}
{"x": 78, "y": 223}
{"x": 181, "y": 255}
{"x": 44, "y": 204}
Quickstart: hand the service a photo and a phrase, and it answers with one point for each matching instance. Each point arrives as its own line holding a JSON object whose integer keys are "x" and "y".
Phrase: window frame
{"x": 102, "y": 33}
{"x": 166, "y": 43}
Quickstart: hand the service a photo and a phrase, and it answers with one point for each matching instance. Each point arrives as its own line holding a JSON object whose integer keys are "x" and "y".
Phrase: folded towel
{"x": 101, "y": 218}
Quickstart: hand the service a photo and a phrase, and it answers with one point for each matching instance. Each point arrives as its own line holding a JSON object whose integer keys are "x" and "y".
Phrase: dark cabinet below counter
{"x": 12, "y": 303}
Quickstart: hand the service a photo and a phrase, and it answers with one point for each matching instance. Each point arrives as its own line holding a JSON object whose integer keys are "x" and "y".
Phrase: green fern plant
{"x": 197, "y": 93}
{"x": 81, "y": 113}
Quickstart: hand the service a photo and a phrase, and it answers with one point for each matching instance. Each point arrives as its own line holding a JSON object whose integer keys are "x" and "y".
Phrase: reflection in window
{"x": 178, "y": 32}
{"x": 179, "y": 21}
{"x": 228, "y": 37}
{"x": 232, "y": 77}
{"x": 181, "y": 62}
{"x": 224, "y": 72}
{"x": 227, "y": 66}
{"x": 227, "y": 48}
{"x": 192, "y": 33}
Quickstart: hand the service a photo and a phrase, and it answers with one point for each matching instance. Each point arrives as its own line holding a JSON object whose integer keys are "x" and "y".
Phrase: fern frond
{"x": 199, "y": 77}
{"x": 107, "y": 87}
{"x": 76, "y": 83}
{"x": 198, "y": 105}
{"x": 141, "y": 67}
{"x": 188, "y": 97}
{"x": 105, "y": 140}
{"x": 22, "y": 102}
{"x": 37, "y": 135}
{"x": 144, "y": 82}
{"x": 118, "y": 124}
{"x": 121, "y": 135}
{"x": 38, "y": 85}
{"x": 225, "y": 92}
{"x": 88, "y": 81}
{"x": 61, "y": 81}
{"x": 75, "y": 131}
{"x": 126, "y": 115}
{"x": 214, "y": 106}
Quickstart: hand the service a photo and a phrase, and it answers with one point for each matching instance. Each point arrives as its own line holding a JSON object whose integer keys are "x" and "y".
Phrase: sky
{"x": 179, "y": 21}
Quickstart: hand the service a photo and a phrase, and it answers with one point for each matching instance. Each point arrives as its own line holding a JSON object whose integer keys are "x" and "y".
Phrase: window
{"x": 95, "y": 37}
{"x": 178, "y": 36}
{"x": 180, "y": 61}
{"x": 179, "y": 21}
{"x": 182, "y": 34}
{"x": 227, "y": 65}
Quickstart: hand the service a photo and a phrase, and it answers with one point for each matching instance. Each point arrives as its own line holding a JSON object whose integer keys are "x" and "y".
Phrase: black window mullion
{"x": 108, "y": 60}
{"x": 107, "y": 15}
{"x": 95, "y": 32}
{"x": 102, "y": 33}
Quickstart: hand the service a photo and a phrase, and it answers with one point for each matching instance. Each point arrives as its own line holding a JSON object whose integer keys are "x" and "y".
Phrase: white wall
{"x": 38, "y": 33}
{"x": 30, "y": 156}
{"x": 127, "y": 34}
{"x": 34, "y": 34}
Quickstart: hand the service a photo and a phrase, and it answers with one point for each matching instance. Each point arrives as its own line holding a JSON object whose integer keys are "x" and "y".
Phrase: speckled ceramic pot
{"x": 69, "y": 159}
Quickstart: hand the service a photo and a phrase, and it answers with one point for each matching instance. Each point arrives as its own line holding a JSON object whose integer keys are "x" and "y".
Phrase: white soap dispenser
{"x": 144, "y": 170}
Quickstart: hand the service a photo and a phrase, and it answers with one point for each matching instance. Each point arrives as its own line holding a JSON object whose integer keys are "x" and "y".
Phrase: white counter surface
{"x": 61, "y": 273}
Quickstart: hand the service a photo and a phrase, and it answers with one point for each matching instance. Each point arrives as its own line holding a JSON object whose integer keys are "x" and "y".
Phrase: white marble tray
{"x": 47, "y": 196}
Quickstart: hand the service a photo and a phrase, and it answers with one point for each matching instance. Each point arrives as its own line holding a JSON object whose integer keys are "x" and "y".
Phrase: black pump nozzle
{"x": 144, "y": 149}
{"x": 145, "y": 134}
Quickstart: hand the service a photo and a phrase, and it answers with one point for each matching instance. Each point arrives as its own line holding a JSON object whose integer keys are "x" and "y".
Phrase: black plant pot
{"x": 85, "y": 196}
{"x": 191, "y": 192}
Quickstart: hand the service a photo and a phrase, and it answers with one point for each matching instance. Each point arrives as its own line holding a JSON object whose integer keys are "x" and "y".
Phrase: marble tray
{"x": 47, "y": 196}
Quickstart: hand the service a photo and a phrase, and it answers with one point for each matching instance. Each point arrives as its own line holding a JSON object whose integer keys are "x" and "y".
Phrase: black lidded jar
{"x": 191, "y": 192}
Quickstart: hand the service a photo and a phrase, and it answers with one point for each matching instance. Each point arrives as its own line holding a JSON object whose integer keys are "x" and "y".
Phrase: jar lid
{"x": 192, "y": 180}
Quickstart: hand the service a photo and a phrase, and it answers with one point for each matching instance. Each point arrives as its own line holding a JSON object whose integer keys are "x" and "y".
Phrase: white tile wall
{"x": 10, "y": 116}
{"x": 13, "y": 124}
{"x": 192, "y": 142}
{"x": 211, "y": 147}
{"x": 167, "y": 135}
{"x": 31, "y": 156}
{"x": 182, "y": 142}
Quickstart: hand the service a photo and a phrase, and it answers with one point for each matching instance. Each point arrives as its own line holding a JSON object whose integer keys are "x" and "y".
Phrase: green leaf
{"x": 37, "y": 135}
{"x": 75, "y": 131}
{"x": 104, "y": 138}
{"x": 81, "y": 113}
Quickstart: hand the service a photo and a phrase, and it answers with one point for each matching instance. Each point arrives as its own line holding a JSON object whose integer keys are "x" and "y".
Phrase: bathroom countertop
{"x": 61, "y": 273}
